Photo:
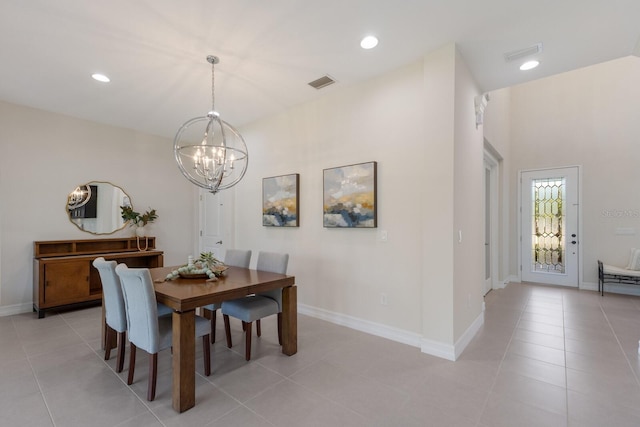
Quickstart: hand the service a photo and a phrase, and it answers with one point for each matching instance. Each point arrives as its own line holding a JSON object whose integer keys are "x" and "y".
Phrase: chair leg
{"x": 122, "y": 342}
{"x": 213, "y": 326}
{"x": 153, "y": 375}
{"x": 280, "y": 328}
{"x": 227, "y": 329}
{"x": 108, "y": 340}
{"x": 132, "y": 364}
{"x": 211, "y": 315}
{"x": 206, "y": 355}
{"x": 247, "y": 349}
{"x": 258, "y": 328}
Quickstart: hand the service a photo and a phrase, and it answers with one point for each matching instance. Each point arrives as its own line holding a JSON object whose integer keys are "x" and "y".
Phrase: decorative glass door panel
{"x": 549, "y": 219}
{"x": 547, "y": 224}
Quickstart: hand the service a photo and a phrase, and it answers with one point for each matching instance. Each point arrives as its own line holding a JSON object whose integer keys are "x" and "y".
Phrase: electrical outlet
{"x": 383, "y": 299}
{"x": 384, "y": 236}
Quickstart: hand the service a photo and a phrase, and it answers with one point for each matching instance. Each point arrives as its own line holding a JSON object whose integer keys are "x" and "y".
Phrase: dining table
{"x": 185, "y": 294}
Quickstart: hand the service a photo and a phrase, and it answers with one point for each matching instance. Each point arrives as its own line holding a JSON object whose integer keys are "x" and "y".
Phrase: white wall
{"x": 587, "y": 117}
{"x": 345, "y": 270}
{"x": 44, "y": 156}
{"x": 417, "y": 122}
{"x": 497, "y": 135}
{"x": 406, "y": 121}
{"x": 468, "y": 191}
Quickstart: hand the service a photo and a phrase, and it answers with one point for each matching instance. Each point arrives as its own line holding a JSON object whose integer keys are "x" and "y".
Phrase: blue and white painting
{"x": 280, "y": 201}
{"x": 350, "y": 196}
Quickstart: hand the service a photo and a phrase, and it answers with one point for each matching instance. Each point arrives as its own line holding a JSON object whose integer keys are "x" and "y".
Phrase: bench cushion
{"x": 618, "y": 271}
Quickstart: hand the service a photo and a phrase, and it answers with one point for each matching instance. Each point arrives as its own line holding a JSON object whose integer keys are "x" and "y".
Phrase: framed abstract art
{"x": 280, "y": 201}
{"x": 350, "y": 194}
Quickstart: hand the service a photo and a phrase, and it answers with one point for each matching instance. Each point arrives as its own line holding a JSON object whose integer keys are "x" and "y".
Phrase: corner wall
{"x": 44, "y": 156}
{"x": 587, "y": 117}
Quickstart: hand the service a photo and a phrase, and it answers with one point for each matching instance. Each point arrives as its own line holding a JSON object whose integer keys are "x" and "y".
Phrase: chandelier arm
{"x": 209, "y": 160}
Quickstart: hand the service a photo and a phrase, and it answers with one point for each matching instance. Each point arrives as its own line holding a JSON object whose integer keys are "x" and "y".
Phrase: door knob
{"x": 573, "y": 235}
{"x": 573, "y": 242}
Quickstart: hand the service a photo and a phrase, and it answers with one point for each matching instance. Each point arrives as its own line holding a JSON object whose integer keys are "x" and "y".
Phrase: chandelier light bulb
{"x": 209, "y": 151}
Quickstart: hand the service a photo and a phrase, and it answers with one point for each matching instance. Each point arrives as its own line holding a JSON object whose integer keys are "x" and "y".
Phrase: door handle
{"x": 219, "y": 242}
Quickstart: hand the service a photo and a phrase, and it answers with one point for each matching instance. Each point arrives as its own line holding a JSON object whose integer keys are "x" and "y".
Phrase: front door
{"x": 549, "y": 209}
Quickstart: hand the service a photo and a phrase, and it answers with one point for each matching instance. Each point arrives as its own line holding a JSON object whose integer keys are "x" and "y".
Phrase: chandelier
{"x": 209, "y": 151}
{"x": 79, "y": 197}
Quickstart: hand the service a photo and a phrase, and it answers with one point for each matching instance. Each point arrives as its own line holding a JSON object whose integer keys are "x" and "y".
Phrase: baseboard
{"x": 512, "y": 279}
{"x": 438, "y": 349}
{"x": 434, "y": 348}
{"x": 10, "y": 310}
{"x": 468, "y": 335}
{"x": 588, "y": 286}
{"x": 372, "y": 328}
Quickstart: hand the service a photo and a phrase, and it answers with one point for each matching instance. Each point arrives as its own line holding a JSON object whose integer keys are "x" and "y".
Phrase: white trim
{"x": 491, "y": 164}
{"x": 434, "y": 348}
{"x": 438, "y": 349}
{"x": 373, "y": 328}
{"x": 10, "y": 310}
{"x": 468, "y": 335}
{"x": 512, "y": 279}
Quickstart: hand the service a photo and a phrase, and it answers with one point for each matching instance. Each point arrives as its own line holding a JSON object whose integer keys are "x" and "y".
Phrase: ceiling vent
{"x": 322, "y": 82}
{"x": 521, "y": 53}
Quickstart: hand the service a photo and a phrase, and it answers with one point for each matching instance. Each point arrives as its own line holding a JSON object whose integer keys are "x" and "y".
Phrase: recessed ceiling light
{"x": 529, "y": 65}
{"x": 369, "y": 42}
{"x": 100, "y": 77}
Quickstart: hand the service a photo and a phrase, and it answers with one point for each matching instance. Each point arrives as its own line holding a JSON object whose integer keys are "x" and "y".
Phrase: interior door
{"x": 491, "y": 221}
{"x": 549, "y": 209}
{"x": 488, "y": 273}
{"x": 211, "y": 224}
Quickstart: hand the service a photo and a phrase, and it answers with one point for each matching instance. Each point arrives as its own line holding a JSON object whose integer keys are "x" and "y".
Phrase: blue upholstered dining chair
{"x": 147, "y": 331}
{"x": 115, "y": 315}
{"x": 255, "y": 307}
{"x": 233, "y": 258}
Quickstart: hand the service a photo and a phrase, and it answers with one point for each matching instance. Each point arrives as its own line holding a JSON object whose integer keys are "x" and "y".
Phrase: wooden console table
{"x": 63, "y": 276}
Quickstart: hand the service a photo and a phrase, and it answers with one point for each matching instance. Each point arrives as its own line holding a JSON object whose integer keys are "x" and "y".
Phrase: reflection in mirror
{"x": 94, "y": 207}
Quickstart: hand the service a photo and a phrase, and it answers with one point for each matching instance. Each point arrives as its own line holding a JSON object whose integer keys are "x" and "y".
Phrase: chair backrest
{"x": 274, "y": 262}
{"x": 115, "y": 314}
{"x": 237, "y": 258}
{"x": 141, "y": 307}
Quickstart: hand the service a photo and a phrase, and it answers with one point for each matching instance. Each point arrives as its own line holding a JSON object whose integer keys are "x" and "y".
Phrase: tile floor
{"x": 545, "y": 357}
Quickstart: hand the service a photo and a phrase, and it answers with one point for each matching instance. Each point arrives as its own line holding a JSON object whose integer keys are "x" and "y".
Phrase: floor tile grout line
{"x": 504, "y": 356}
{"x": 564, "y": 353}
{"x": 35, "y": 376}
{"x": 101, "y": 358}
{"x": 635, "y": 376}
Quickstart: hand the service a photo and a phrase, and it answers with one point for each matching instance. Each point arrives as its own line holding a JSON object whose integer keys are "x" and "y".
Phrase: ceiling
{"x": 155, "y": 51}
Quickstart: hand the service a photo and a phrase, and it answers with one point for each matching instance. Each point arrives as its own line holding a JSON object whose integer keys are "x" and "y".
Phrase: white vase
{"x": 140, "y": 231}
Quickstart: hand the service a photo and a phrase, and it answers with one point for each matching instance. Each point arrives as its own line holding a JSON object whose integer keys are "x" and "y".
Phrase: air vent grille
{"x": 322, "y": 82}
{"x": 521, "y": 53}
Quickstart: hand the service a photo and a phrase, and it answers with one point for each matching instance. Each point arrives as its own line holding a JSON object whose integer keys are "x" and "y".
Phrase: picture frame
{"x": 281, "y": 201}
{"x": 350, "y": 196}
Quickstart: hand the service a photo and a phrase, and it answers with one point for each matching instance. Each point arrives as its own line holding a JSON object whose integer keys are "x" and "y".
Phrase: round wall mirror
{"x": 94, "y": 207}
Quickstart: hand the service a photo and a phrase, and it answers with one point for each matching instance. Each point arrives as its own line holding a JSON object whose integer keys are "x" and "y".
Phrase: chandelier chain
{"x": 213, "y": 86}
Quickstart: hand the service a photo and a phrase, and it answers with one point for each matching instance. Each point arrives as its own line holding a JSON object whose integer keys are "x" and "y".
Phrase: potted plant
{"x": 138, "y": 220}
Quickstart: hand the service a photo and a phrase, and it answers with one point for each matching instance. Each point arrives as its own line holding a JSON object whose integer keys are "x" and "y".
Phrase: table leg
{"x": 290, "y": 320}
{"x": 184, "y": 360}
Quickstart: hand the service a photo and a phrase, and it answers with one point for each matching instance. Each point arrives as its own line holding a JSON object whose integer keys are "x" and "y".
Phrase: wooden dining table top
{"x": 183, "y": 294}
